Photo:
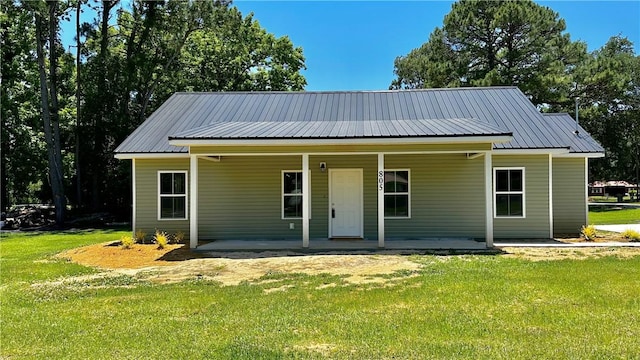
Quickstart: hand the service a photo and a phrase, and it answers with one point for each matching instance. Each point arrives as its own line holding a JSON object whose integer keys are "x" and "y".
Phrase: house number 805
{"x": 380, "y": 180}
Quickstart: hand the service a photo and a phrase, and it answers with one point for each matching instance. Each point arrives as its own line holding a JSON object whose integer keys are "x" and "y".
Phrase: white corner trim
{"x": 193, "y": 202}
{"x": 489, "y": 199}
{"x": 550, "y": 196}
{"x": 305, "y": 200}
{"x": 133, "y": 197}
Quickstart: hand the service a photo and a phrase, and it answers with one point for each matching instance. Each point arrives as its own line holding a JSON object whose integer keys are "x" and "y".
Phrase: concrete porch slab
{"x": 327, "y": 245}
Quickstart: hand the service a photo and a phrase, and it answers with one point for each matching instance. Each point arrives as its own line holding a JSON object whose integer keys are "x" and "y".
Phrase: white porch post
{"x": 488, "y": 189}
{"x": 133, "y": 198}
{"x": 550, "y": 196}
{"x": 305, "y": 200}
{"x": 586, "y": 191}
{"x": 193, "y": 203}
{"x": 380, "y": 200}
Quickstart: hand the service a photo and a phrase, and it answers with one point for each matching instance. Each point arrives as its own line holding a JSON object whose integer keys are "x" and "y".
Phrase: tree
{"x": 485, "y": 43}
{"x": 608, "y": 84}
{"x": 49, "y": 102}
{"x": 133, "y": 58}
{"x": 155, "y": 49}
{"x": 23, "y": 153}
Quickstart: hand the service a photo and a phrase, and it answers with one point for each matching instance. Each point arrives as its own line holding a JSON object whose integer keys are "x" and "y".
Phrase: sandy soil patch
{"x": 177, "y": 263}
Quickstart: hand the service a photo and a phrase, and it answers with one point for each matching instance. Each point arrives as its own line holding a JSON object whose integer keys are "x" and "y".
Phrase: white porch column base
{"x": 380, "y": 200}
{"x": 305, "y": 200}
{"x": 193, "y": 202}
{"x": 488, "y": 188}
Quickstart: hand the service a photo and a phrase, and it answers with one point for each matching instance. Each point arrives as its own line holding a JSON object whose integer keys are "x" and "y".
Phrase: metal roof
{"x": 448, "y": 112}
{"x": 342, "y": 129}
{"x": 565, "y": 126}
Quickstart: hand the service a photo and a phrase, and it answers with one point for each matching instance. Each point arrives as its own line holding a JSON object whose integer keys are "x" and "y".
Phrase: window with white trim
{"x": 508, "y": 186}
{"x": 292, "y": 200}
{"x": 397, "y": 202}
{"x": 172, "y": 195}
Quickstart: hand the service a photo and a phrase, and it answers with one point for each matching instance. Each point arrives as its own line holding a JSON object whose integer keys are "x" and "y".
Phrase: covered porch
{"x": 434, "y": 220}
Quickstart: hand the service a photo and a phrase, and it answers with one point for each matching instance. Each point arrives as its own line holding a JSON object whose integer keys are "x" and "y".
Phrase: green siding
{"x": 569, "y": 202}
{"x": 447, "y": 197}
{"x": 147, "y": 196}
{"x": 240, "y": 197}
{"x": 536, "y": 222}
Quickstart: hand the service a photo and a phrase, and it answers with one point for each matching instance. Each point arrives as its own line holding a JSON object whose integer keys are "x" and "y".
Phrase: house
{"x": 467, "y": 163}
{"x": 611, "y": 188}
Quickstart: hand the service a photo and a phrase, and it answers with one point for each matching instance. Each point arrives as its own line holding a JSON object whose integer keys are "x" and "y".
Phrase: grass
{"x": 457, "y": 307}
{"x": 607, "y": 216}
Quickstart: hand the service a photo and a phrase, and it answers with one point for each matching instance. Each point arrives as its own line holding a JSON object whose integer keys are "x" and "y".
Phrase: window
{"x": 172, "y": 195}
{"x": 508, "y": 185}
{"x": 292, "y": 194}
{"x": 396, "y": 194}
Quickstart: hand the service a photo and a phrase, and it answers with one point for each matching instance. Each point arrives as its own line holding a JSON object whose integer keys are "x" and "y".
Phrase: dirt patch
{"x": 177, "y": 263}
{"x": 112, "y": 256}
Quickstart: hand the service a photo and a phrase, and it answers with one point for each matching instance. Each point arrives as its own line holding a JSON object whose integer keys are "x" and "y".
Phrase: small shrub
{"x": 161, "y": 239}
{"x": 589, "y": 232}
{"x": 178, "y": 237}
{"x": 631, "y": 235}
{"x": 139, "y": 236}
{"x": 127, "y": 242}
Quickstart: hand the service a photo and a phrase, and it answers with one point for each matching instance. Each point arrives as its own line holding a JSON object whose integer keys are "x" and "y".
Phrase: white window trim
{"x": 408, "y": 193}
{"x": 186, "y": 195}
{"x": 282, "y": 194}
{"x": 523, "y": 193}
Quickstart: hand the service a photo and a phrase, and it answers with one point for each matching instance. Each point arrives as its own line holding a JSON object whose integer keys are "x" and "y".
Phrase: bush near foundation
{"x": 589, "y": 232}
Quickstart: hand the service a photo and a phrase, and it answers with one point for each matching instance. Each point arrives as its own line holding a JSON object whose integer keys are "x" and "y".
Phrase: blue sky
{"x": 352, "y": 45}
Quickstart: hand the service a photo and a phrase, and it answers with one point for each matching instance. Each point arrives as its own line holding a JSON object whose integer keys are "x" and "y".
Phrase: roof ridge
{"x": 470, "y": 88}
{"x": 555, "y": 114}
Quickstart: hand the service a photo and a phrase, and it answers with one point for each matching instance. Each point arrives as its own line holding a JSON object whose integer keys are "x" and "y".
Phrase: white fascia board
{"x": 581, "y": 155}
{"x": 125, "y": 156}
{"x": 541, "y": 151}
{"x": 351, "y": 141}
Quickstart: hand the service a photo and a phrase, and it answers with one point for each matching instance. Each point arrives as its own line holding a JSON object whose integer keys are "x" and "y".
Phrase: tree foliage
{"x": 521, "y": 43}
{"x": 134, "y": 55}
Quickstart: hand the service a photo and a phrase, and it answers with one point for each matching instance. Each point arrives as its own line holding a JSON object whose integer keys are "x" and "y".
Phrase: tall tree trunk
{"x": 49, "y": 115}
{"x": 77, "y": 132}
{"x": 97, "y": 174}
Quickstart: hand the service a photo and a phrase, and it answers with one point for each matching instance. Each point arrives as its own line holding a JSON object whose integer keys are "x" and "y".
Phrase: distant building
{"x": 610, "y": 188}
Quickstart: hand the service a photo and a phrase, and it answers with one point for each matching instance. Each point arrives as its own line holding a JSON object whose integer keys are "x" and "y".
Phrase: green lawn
{"x": 468, "y": 306}
{"x": 603, "y": 216}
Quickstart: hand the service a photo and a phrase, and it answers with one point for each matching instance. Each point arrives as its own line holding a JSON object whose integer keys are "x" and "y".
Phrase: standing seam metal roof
{"x": 338, "y": 114}
{"x": 565, "y": 127}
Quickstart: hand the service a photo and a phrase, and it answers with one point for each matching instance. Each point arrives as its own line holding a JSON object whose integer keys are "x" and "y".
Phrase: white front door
{"x": 345, "y": 203}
